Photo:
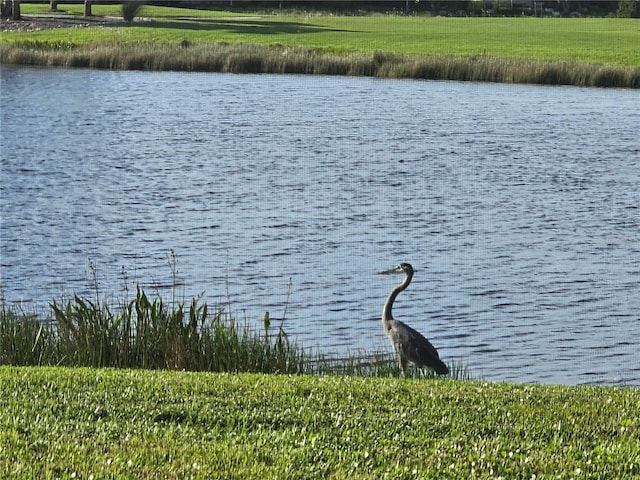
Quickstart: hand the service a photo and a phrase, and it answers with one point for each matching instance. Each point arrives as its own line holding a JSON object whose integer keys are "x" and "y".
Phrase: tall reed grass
{"x": 248, "y": 58}
{"x": 148, "y": 333}
{"x": 143, "y": 333}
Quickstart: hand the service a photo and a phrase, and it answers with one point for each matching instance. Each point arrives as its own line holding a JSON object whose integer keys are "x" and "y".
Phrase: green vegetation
{"x": 101, "y": 423}
{"x": 590, "y": 51}
{"x": 240, "y": 58}
{"x": 143, "y": 334}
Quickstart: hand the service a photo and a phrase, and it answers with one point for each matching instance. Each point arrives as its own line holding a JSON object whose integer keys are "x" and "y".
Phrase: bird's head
{"x": 401, "y": 268}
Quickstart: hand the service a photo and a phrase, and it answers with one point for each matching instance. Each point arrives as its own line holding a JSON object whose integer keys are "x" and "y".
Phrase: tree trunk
{"x": 53, "y": 5}
{"x": 15, "y": 9}
{"x": 87, "y": 8}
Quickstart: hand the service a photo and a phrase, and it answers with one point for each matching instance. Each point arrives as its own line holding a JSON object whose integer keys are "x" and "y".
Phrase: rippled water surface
{"x": 519, "y": 207}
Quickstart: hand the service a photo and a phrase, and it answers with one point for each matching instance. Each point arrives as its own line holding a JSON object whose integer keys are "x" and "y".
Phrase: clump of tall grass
{"x": 24, "y": 340}
{"x": 249, "y": 58}
{"x": 143, "y": 333}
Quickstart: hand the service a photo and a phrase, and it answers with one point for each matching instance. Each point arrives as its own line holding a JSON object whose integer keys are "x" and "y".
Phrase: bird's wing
{"x": 417, "y": 349}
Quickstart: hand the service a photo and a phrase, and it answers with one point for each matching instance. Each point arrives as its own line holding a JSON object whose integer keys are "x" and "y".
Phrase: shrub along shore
{"x": 581, "y": 52}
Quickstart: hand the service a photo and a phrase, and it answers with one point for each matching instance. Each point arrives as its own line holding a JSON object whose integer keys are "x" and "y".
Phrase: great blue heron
{"x": 409, "y": 344}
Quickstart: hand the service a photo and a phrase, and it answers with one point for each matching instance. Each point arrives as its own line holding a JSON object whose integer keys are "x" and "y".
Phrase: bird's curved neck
{"x": 388, "y": 305}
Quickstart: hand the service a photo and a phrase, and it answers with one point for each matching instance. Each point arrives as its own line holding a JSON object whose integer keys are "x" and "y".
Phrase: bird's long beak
{"x": 389, "y": 272}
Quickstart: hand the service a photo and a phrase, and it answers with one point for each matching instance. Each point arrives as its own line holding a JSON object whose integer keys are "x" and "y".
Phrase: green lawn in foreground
{"x": 66, "y": 423}
{"x": 594, "y": 40}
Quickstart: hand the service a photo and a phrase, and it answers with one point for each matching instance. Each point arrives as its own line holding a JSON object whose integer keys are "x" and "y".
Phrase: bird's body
{"x": 409, "y": 344}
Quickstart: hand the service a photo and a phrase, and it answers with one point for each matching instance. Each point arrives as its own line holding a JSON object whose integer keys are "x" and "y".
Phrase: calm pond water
{"x": 517, "y": 205}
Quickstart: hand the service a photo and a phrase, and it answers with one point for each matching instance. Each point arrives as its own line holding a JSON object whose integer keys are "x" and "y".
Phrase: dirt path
{"x": 30, "y": 23}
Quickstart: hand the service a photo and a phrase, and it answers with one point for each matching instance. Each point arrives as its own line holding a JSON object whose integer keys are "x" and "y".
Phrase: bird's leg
{"x": 403, "y": 366}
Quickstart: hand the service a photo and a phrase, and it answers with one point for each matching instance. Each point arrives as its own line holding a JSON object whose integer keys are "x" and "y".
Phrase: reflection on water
{"x": 518, "y": 206}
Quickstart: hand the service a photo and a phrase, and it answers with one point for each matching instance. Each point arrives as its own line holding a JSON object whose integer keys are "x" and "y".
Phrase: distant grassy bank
{"x": 97, "y": 423}
{"x": 243, "y": 58}
{"x": 282, "y": 60}
{"x": 587, "y": 52}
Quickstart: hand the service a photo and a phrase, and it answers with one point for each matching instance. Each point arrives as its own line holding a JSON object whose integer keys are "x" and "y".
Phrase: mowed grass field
{"x": 103, "y": 423}
{"x": 608, "y": 41}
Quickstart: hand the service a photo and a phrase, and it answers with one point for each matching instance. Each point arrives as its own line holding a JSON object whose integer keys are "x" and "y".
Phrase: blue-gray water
{"x": 518, "y": 205}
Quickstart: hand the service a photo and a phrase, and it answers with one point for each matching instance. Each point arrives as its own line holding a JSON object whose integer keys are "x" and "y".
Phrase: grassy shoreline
{"x": 149, "y": 333}
{"x": 105, "y": 423}
{"x": 582, "y": 52}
